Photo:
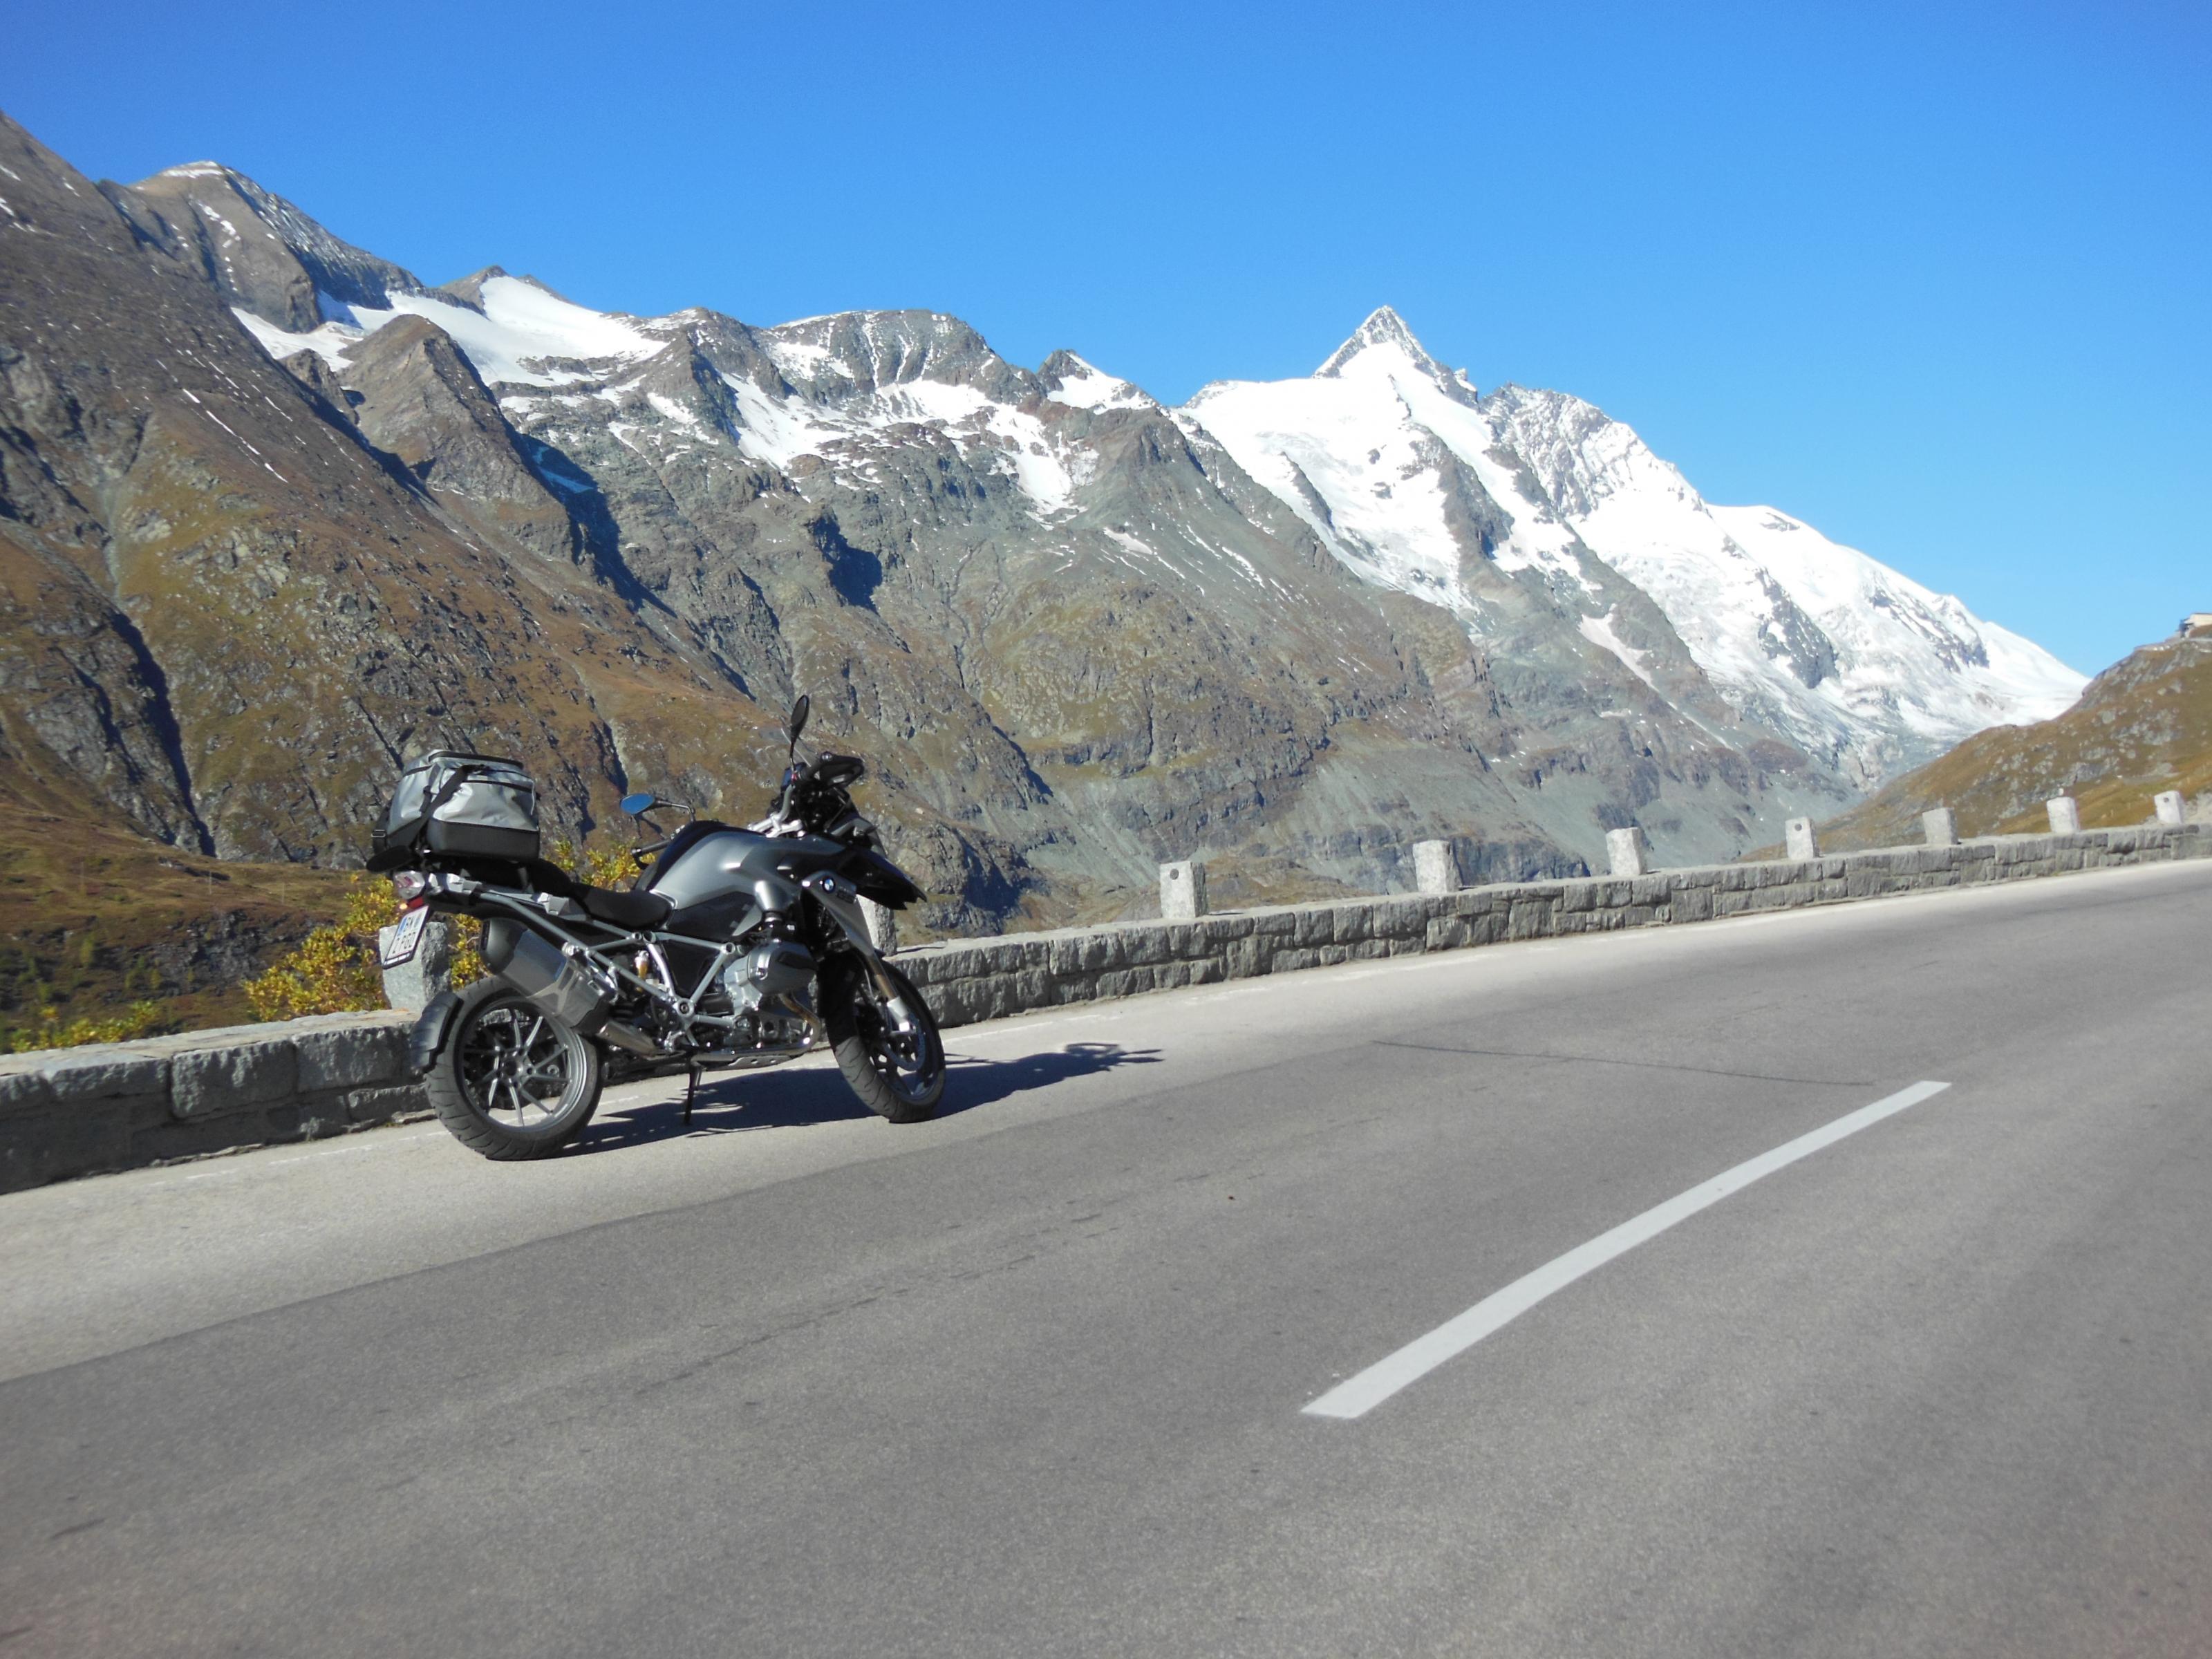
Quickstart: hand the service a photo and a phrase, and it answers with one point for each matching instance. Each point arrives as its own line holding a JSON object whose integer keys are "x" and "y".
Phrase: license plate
{"x": 406, "y": 936}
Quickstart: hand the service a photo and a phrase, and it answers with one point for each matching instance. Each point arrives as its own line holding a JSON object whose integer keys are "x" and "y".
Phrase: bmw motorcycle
{"x": 734, "y": 948}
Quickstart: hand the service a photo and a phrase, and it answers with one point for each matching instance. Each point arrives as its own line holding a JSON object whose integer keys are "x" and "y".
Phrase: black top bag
{"x": 466, "y": 805}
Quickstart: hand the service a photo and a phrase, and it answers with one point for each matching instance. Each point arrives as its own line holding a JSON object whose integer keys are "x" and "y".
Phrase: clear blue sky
{"x": 1932, "y": 276}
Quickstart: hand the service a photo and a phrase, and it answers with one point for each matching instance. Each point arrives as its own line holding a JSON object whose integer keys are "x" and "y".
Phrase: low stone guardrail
{"x": 113, "y": 1105}
{"x": 76, "y": 1111}
{"x": 971, "y": 980}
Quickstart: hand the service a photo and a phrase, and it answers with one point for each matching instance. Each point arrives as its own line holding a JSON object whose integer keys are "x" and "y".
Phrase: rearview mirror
{"x": 799, "y": 711}
{"x": 637, "y": 806}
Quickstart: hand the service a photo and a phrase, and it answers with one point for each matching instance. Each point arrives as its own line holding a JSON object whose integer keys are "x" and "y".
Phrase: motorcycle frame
{"x": 533, "y": 910}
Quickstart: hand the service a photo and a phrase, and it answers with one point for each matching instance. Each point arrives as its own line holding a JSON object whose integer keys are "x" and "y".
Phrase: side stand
{"x": 690, "y": 1094}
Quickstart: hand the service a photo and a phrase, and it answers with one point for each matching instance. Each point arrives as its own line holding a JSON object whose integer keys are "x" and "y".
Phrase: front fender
{"x": 428, "y": 1037}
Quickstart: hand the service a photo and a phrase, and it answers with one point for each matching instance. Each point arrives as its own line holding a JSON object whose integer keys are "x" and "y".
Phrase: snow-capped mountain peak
{"x": 517, "y": 332}
{"x": 1068, "y": 378}
{"x": 1407, "y": 476}
{"x": 861, "y": 353}
{"x": 1382, "y": 344}
{"x": 261, "y": 251}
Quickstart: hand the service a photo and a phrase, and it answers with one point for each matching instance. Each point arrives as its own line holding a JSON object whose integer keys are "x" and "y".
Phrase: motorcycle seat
{"x": 635, "y": 911}
{"x": 614, "y": 907}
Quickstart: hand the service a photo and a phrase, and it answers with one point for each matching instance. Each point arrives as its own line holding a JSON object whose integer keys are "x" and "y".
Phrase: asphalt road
{"x": 1030, "y": 1379}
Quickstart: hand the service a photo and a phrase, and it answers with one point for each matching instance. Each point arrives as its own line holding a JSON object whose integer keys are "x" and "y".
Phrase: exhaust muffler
{"x": 550, "y": 979}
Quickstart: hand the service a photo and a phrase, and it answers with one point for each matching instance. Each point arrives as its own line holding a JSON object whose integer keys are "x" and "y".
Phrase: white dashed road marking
{"x": 1355, "y": 1396}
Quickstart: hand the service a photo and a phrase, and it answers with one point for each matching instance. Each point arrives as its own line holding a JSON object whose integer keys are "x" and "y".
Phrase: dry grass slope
{"x": 2142, "y": 727}
{"x": 95, "y": 919}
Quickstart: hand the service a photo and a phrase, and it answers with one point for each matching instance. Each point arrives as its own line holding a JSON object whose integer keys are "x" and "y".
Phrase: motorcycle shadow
{"x": 787, "y": 1099}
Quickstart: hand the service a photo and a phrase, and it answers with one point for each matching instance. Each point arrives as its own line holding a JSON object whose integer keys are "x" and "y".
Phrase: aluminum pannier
{"x": 462, "y": 805}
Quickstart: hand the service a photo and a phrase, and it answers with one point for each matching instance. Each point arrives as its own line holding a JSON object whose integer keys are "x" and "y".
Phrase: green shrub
{"x": 333, "y": 970}
{"x": 50, "y": 1031}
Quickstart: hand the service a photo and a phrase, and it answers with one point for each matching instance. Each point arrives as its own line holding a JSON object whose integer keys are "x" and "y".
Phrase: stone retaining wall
{"x": 73, "y": 1111}
{"x": 112, "y": 1105}
{"x": 988, "y": 979}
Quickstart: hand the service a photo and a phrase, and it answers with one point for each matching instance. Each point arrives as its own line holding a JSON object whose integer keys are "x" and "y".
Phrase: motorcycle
{"x": 734, "y": 948}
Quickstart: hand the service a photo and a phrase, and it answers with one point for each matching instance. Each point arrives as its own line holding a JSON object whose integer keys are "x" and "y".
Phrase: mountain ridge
{"x": 1074, "y": 631}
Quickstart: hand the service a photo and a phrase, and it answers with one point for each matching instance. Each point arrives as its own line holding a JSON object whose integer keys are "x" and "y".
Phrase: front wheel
{"x": 512, "y": 1081}
{"x": 897, "y": 1068}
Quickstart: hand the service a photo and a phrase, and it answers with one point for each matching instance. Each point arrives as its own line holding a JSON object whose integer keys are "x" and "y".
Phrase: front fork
{"x": 838, "y": 899}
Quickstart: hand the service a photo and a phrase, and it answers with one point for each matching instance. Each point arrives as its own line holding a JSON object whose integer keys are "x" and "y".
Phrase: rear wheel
{"x": 896, "y": 1068}
{"x": 513, "y": 1082}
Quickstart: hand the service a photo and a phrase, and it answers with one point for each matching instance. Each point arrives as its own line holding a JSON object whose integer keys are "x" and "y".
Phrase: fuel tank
{"x": 707, "y": 860}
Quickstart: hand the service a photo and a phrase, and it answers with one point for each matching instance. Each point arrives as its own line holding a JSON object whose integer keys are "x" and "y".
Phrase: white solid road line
{"x": 1357, "y": 1395}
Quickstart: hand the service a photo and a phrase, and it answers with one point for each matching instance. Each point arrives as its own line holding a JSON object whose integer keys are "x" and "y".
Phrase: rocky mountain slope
{"x": 274, "y": 512}
{"x": 2143, "y": 726}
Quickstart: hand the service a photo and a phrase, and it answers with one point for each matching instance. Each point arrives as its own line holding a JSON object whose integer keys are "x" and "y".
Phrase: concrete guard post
{"x": 1629, "y": 853}
{"x": 1941, "y": 827}
{"x": 1183, "y": 890}
{"x": 1435, "y": 869}
{"x": 412, "y": 984}
{"x": 1802, "y": 842}
{"x": 2167, "y": 807}
{"x": 883, "y": 925}
{"x": 2065, "y": 815}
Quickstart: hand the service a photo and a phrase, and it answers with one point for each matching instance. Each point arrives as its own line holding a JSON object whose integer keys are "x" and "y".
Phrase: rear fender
{"x": 428, "y": 1037}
